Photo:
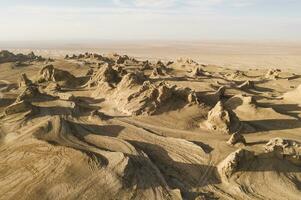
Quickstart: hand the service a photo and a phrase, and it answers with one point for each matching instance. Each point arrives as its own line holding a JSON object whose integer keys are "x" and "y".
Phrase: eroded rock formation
{"x": 222, "y": 120}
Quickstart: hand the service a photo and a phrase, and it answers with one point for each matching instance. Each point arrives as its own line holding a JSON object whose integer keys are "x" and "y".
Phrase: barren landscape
{"x": 152, "y": 124}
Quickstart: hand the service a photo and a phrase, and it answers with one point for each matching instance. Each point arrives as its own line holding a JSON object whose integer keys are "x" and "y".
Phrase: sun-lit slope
{"x": 113, "y": 127}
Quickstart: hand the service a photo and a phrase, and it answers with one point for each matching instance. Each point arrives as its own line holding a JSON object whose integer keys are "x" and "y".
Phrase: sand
{"x": 233, "y": 54}
{"x": 109, "y": 126}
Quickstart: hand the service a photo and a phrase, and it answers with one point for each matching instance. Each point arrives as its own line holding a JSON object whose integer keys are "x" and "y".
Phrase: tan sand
{"x": 93, "y": 126}
{"x": 234, "y": 54}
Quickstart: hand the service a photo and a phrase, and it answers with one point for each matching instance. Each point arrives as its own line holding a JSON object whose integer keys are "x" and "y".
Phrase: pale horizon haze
{"x": 70, "y": 20}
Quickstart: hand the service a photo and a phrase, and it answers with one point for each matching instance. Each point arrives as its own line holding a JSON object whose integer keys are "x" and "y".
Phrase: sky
{"x": 35, "y": 20}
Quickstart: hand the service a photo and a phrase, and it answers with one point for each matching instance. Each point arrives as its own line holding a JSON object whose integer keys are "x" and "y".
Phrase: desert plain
{"x": 150, "y": 120}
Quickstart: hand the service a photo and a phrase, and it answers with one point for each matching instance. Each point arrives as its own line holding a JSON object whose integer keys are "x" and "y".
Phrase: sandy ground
{"x": 117, "y": 127}
{"x": 223, "y": 53}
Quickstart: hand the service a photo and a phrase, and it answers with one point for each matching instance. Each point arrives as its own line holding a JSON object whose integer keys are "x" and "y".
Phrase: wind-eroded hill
{"x": 93, "y": 126}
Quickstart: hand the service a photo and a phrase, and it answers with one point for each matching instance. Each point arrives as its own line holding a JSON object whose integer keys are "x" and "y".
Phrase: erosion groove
{"x": 121, "y": 128}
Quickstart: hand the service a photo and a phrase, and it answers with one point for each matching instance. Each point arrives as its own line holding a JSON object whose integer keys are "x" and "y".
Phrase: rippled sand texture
{"x": 92, "y": 126}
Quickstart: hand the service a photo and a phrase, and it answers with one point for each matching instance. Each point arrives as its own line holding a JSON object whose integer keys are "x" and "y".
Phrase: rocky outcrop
{"x": 157, "y": 72}
{"x": 106, "y": 75}
{"x": 6, "y": 56}
{"x": 199, "y": 71}
{"x": 160, "y": 64}
{"x": 24, "y": 81}
{"x": 232, "y": 163}
{"x": 121, "y": 59}
{"x": 219, "y": 94}
{"x": 132, "y": 79}
{"x": 236, "y": 75}
{"x": 90, "y": 72}
{"x": 284, "y": 149}
{"x": 212, "y": 98}
{"x": 149, "y": 98}
{"x": 187, "y": 61}
{"x": 222, "y": 120}
{"x": 273, "y": 74}
{"x": 120, "y": 69}
{"x": 29, "y": 92}
{"x": 52, "y": 87}
{"x": 146, "y": 65}
{"x": 51, "y": 74}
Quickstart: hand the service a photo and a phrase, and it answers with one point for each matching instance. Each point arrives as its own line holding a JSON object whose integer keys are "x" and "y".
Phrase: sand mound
{"x": 106, "y": 76}
{"x": 132, "y": 79}
{"x": 212, "y": 98}
{"x": 198, "y": 71}
{"x": 285, "y": 149}
{"x": 146, "y": 65}
{"x": 135, "y": 95}
{"x": 38, "y": 92}
{"x": 259, "y": 118}
{"x": 122, "y": 59}
{"x": 6, "y": 56}
{"x": 158, "y": 71}
{"x": 235, "y": 75}
{"x": 233, "y": 162}
{"x": 120, "y": 69}
{"x": 222, "y": 120}
{"x": 273, "y": 74}
{"x": 24, "y": 81}
{"x": 29, "y": 92}
{"x": 187, "y": 61}
{"x": 52, "y": 88}
{"x": 110, "y": 59}
{"x": 264, "y": 170}
{"x": 50, "y": 73}
{"x": 275, "y": 148}
{"x": 219, "y": 93}
{"x": 90, "y": 72}
{"x": 160, "y": 64}
{"x": 150, "y": 98}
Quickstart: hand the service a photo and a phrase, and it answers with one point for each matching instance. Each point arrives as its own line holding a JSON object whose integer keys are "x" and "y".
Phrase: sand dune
{"x": 91, "y": 126}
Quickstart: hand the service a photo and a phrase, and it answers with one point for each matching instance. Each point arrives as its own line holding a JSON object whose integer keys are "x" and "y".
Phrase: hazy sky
{"x": 150, "y": 19}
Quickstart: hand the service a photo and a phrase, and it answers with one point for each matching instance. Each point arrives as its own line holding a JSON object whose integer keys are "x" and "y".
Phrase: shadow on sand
{"x": 178, "y": 175}
{"x": 272, "y": 125}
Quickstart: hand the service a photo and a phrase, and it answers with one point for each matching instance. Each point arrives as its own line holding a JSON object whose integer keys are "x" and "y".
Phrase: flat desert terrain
{"x": 176, "y": 120}
{"x": 223, "y": 53}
